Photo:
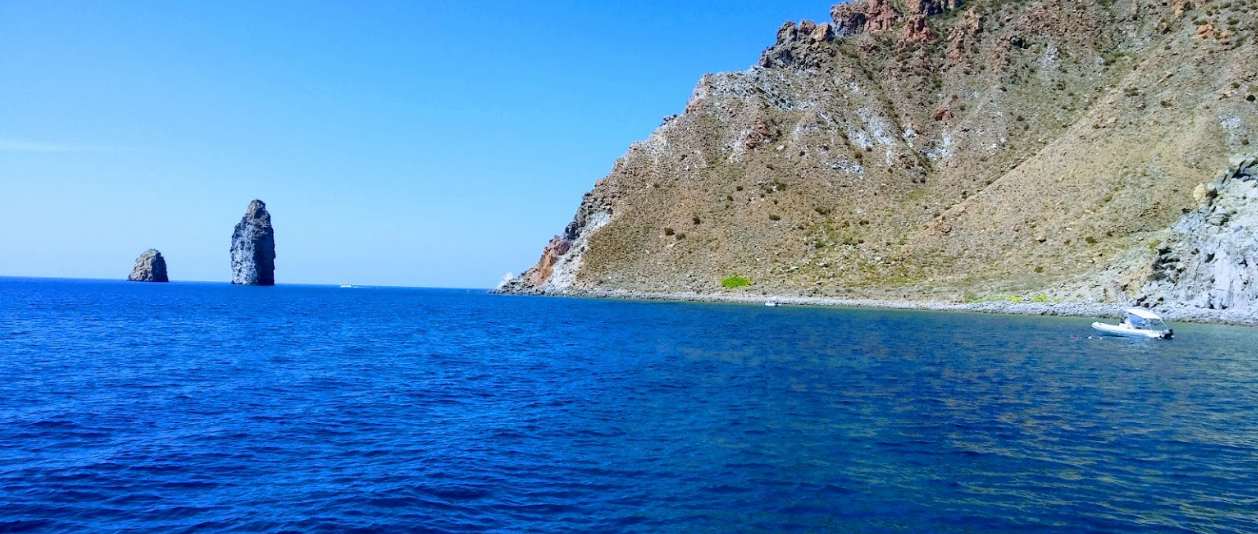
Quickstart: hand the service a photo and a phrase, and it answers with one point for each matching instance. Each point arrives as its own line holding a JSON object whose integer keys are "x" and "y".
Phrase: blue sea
{"x": 184, "y": 406}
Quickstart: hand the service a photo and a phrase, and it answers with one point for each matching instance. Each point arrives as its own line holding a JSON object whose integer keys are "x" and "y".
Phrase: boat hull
{"x": 1117, "y": 330}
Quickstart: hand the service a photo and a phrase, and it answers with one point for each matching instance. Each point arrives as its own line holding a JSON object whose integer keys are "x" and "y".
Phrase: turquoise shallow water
{"x": 185, "y": 406}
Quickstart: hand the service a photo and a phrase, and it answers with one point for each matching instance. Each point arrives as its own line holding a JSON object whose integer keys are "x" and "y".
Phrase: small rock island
{"x": 253, "y": 247}
{"x": 149, "y": 267}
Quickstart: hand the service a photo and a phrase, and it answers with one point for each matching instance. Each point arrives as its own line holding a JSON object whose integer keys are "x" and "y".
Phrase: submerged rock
{"x": 149, "y": 267}
{"x": 253, "y": 248}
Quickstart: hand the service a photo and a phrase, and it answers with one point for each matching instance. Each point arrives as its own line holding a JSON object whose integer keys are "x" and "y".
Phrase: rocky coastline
{"x": 1043, "y": 157}
{"x": 1062, "y": 309}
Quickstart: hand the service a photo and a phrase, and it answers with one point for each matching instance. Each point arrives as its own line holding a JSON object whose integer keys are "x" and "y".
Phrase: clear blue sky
{"x": 408, "y": 143}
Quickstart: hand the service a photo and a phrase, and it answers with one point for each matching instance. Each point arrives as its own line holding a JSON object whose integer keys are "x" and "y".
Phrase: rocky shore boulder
{"x": 253, "y": 248}
{"x": 149, "y": 267}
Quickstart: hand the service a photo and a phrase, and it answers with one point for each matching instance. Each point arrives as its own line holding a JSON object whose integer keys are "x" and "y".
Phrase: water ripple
{"x": 192, "y": 407}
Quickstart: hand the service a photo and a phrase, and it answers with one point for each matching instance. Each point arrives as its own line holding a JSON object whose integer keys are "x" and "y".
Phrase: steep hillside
{"x": 924, "y": 149}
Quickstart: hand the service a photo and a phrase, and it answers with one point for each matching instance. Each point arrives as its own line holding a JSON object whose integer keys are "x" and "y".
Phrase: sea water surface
{"x": 127, "y": 406}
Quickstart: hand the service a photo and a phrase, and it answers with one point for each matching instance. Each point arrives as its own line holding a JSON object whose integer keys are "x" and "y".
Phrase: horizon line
{"x": 308, "y": 284}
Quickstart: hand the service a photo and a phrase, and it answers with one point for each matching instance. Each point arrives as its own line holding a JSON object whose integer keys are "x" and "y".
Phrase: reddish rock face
{"x": 1206, "y": 31}
{"x": 917, "y": 31}
{"x": 963, "y": 36}
{"x": 761, "y": 133}
{"x": 796, "y": 42}
{"x": 880, "y": 15}
{"x": 1180, "y": 6}
{"x": 822, "y": 33}
{"x": 557, "y": 247}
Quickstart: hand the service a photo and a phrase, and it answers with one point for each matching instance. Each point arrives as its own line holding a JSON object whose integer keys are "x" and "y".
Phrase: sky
{"x": 418, "y": 143}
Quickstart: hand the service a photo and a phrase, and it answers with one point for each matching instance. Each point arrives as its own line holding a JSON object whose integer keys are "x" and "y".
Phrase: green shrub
{"x": 734, "y": 282}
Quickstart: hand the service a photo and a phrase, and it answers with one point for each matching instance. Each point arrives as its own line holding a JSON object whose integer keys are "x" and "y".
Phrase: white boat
{"x": 347, "y": 286}
{"x": 1138, "y": 323}
{"x": 772, "y": 304}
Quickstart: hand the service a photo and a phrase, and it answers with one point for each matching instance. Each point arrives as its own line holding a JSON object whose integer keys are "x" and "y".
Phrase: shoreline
{"x": 1063, "y": 309}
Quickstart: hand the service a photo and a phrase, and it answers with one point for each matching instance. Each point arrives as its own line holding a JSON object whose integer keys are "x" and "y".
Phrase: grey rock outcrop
{"x": 149, "y": 267}
{"x": 1210, "y": 261}
{"x": 253, "y": 248}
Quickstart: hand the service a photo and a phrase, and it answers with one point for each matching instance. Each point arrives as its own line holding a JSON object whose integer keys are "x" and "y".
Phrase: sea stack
{"x": 253, "y": 248}
{"x": 149, "y": 267}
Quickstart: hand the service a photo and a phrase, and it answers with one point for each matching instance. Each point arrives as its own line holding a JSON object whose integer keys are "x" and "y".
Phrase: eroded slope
{"x": 927, "y": 149}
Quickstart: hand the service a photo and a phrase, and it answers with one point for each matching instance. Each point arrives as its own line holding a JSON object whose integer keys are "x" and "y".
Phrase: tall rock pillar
{"x": 253, "y": 248}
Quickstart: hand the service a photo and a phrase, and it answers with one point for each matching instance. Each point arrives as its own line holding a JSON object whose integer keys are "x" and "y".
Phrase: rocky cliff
{"x": 253, "y": 248}
{"x": 149, "y": 267}
{"x": 1042, "y": 150}
{"x": 1210, "y": 257}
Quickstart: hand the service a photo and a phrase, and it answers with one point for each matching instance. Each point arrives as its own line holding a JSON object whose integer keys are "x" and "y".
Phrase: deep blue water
{"x": 171, "y": 407}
